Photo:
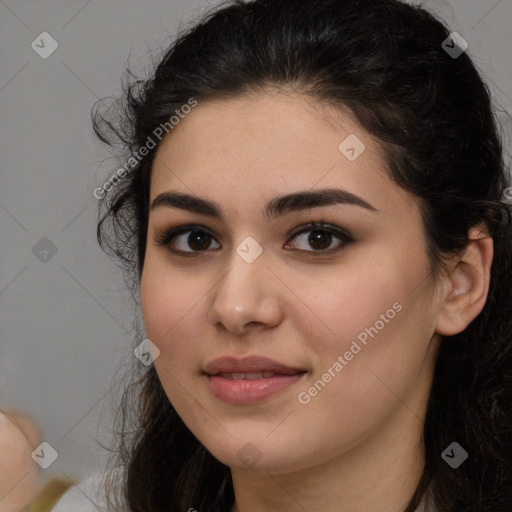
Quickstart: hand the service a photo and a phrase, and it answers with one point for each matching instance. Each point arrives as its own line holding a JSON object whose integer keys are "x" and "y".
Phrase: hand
{"x": 19, "y": 474}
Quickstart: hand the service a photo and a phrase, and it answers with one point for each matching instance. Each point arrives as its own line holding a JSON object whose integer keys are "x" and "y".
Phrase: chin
{"x": 257, "y": 456}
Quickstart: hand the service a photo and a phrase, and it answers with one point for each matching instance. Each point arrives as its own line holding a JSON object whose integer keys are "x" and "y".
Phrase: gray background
{"x": 65, "y": 322}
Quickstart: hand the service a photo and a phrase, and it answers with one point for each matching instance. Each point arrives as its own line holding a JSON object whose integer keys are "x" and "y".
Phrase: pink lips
{"x": 249, "y": 379}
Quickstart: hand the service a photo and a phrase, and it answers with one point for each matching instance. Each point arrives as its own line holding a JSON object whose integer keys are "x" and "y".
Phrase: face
{"x": 344, "y": 308}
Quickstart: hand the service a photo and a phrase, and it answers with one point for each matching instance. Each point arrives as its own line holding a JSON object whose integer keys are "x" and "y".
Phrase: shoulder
{"x": 85, "y": 496}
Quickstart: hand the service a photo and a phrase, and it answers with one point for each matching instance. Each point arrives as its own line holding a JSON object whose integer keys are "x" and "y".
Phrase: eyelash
{"x": 168, "y": 236}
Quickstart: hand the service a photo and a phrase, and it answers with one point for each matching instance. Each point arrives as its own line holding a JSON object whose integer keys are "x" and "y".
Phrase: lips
{"x": 247, "y": 376}
{"x": 250, "y": 379}
{"x": 247, "y": 367}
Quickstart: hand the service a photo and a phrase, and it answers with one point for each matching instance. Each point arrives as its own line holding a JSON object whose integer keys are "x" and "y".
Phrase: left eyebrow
{"x": 275, "y": 208}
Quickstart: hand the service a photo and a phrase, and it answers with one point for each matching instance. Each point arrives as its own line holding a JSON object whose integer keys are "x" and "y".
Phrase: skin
{"x": 19, "y": 474}
{"x": 357, "y": 445}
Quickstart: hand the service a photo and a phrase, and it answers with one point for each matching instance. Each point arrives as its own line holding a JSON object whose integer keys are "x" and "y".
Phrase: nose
{"x": 247, "y": 296}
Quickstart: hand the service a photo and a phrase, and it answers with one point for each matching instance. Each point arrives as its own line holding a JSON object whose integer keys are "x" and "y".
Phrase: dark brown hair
{"x": 384, "y": 61}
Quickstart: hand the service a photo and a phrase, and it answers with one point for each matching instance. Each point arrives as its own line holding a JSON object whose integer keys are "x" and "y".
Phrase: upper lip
{"x": 249, "y": 364}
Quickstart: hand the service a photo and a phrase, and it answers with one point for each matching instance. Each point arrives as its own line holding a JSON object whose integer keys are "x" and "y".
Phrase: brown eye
{"x": 198, "y": 240}
{"x": 320, "y": 238}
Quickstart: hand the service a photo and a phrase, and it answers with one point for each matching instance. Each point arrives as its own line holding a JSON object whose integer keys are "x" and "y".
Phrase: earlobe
{"x": 467, "y": 285}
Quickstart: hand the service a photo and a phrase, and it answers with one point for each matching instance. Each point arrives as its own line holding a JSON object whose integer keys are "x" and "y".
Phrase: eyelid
{"x": 168, "y": 235}
{"x": 320, "y": 226}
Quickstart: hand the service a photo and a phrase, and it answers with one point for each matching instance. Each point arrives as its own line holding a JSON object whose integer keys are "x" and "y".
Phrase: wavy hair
{"x": 383, "y": 60}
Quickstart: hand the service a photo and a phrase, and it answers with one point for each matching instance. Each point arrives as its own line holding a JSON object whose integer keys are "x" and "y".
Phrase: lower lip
{"x": 250, "y": 391}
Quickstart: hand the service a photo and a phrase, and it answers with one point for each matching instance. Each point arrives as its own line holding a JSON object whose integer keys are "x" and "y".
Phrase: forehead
{"x": 289, "y": 125}
{"x": 251, "y": 148}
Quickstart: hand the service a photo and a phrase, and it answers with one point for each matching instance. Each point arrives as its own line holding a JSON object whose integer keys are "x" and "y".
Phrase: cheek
{"x": 341, "y": 306}
{"x": 173, "y": 305}
{"x": 162, "y": 302}
{"x": 170, "y": 310}
{"x": 372, "y": 321}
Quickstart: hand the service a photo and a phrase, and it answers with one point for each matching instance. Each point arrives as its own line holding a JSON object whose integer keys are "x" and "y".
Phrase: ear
{"x": 467, "y": 285}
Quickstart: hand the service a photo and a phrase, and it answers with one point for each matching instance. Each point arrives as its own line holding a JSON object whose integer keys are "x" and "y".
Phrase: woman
{"x": 312, "y": 215}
